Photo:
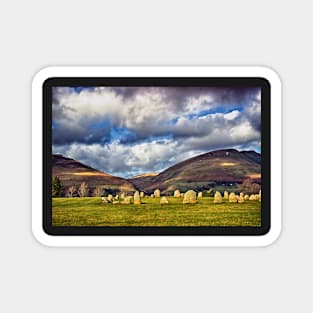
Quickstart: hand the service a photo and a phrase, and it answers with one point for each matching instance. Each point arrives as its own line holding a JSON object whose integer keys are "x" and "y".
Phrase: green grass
{"x": 92, "y": 212}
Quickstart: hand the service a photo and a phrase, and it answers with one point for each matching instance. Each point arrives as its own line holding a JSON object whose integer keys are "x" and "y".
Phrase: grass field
{"x": 92, "y": 212}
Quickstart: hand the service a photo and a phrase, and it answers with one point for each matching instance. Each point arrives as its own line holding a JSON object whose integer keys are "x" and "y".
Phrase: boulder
{"x": 241, "y": 199}
{"x": 217, "y": 197}
{"x": 232, "y": 197}
{"x": 137, "y": 199}
{"x": 104, "y": 200}
{"x": 190, "y": 197}
{"x": 226, "y": 196}
{"x": 157, "y": 193}
{"x": 127, "y": 200}
{"x": 163, "y": 200}
{"x": 176, "y": 193}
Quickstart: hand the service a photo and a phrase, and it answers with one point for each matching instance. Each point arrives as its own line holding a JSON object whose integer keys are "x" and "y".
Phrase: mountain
{"x": 72, "y": 172}
{"x": 219, "y": 167}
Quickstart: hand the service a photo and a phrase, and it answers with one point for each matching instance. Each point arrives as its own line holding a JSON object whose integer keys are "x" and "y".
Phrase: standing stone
{"x": 116, "y": 197}
{"x": 217, "y": 197}
{"x": 176, "y": 193}
{"x": 246, "y": 197}
{"x": 157, "y": 193}
{"x": 252, "y": 198}
{"x": 232, "y": 197}
{"x": 200, "y": 195}
{"x": 110, "y": 198}
{"x": 226, "y": 196}
{"x": 152, "y": 195}
{"x": 241, "y": 194}
{"x": 122, "y": 195}
{"x": 241, "y": 199}
{"x": 260, "y": 197}
{"x": 190, "y": 197}
{"x": 137, "y": 199}
{"x": 127, "y": 200}
{"x": 182, "y": 194}
{"x": 104, "y": 200}
{"x": 142, "y": 194}
{"x": 163, "y": 200}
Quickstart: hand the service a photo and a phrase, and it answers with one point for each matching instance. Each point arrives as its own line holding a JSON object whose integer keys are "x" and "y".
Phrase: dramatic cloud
{"x": 129, "y": 130}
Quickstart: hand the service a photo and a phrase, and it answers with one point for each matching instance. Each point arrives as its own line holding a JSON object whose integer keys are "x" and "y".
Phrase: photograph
{"x": 161, "y": 156}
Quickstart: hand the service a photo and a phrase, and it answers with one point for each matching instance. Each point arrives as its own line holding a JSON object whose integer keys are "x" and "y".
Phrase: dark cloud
{"x": 129, "y": 130}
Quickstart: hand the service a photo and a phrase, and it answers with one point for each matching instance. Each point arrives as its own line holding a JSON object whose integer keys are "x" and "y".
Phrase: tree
{"x": 98, "y": 191}
{"x": 56, "y": 187}
{"x": 250, "y": 187}
{"x": 70, "y": 191}
{"x": 83, "y": 190}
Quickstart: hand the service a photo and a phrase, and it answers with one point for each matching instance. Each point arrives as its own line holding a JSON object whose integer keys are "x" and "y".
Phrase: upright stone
{"x": 260, "y": 196}
{"x": 110, "y": 198}
{"x": 142, "y": 194}
{"x": 137, "y": 199}
{"x": 246, "y": 197}
{"x": 226, "y": 196}
{"x": 241, "y": 199}
{"x": 200, "y": 195}
{"x": 190, "y": 197}
{"x": 163, "y": 200}
{"x": 176, "y": 193}
{"x": 157, "y": 193}
{"x": 217, "y": 197}
{"x": 232, "y": 197}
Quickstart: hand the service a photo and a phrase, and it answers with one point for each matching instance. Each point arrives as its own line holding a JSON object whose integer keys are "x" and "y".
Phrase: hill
{"x": 72, "y": 172}
{"x": 219, "y": 167}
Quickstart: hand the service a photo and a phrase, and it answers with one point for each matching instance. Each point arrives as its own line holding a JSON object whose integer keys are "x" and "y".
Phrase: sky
{"x": 127, "y": 131}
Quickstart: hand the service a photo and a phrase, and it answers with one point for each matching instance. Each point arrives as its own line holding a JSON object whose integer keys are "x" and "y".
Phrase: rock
{"x": 122, "y": 195}
{"x": 246, "y": 197}
{"x": 252, "y": 198}
{"x": 217, "y": 197}
{"x": 190, "y": 197}
{"x": 200, "y": 195}
{"x": 152, "y": 195}
{"x": 176, "y": 193}
{"x": 232, "y": 197}
{"x": 110, "y": 198}
{"x": 182, "y": 194}
{"x": 115, "y": 202}
{"x": 157, "y": 193}
{"x": 116, "y": 197}
{"x": 163, "y": 200}
{"x": 127, "y": 200}
{"x": 241, "y": 199}
{"x": 104, "y": 200}
{"x": 241, "y": 194}
{"x": 226, "y": 196}
{"x": 142, "y": 194}
{"x": 260, "y": 196}
{"x": 137, "y": 199}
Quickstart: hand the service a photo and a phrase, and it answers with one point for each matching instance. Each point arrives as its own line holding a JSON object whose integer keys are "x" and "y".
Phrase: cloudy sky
{"x": 126, "y": 131}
